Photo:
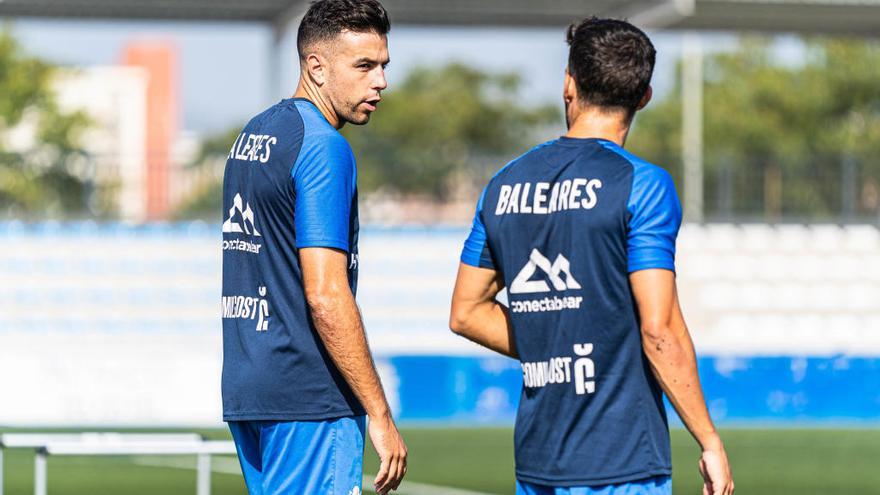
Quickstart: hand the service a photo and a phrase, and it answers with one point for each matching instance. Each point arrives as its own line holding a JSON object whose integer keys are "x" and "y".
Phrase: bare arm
{"x": 668, "y": 346}
{"x": 475, "y": 315}
{"x": 339, "y": 324}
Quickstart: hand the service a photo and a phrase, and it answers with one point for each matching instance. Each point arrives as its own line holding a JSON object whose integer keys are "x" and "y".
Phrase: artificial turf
{"x": 765, "y": 462}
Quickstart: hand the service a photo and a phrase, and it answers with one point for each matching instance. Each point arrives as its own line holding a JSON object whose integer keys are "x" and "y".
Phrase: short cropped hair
{"x": 611, "y": 62}
{"x": 327, "y": 19}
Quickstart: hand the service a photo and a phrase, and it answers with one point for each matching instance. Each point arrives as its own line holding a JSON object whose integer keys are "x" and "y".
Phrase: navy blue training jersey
{"x": 290, "y": 183}
{"x": 564, "y": 225}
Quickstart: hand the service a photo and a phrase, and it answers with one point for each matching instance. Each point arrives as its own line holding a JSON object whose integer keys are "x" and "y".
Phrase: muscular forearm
{"x": 671, "y": 353}
{"x": 340, "y": 327}
{"x": 486, "y": 324}
{"x": 668, "y": 347}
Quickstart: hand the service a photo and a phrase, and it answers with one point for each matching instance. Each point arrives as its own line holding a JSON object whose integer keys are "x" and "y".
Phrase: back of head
{"x": 327, "y": 19}
{"x": 611, "y": 62}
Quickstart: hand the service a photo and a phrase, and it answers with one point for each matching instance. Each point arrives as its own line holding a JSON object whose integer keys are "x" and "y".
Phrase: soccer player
{"x": 298, "y": 376}
{"x": 582, "y": 234}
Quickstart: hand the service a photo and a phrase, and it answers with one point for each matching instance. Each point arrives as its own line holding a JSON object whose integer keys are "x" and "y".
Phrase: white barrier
{"x": 37, "y": 440}
{"x": 203, "y": 449}
{"x": 112, "y": 443}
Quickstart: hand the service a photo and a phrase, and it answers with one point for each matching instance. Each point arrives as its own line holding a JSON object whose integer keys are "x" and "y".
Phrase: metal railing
{"x": 114, "y": 444}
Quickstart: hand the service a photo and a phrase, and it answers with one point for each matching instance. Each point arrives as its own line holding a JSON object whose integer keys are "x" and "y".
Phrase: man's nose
{"x": 379, "y": 82}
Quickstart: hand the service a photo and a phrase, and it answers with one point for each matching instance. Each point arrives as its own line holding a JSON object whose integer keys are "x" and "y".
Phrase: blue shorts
{"x": 286, "y": 457}
{"x": 658, "y": 485}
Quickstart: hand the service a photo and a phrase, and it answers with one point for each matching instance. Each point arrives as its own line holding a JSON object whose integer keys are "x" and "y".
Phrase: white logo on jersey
{"x": 584, "y": 368}
{"x": 570, "y": 194}
{"x": 560, "y": 369}
{"x": 355, "y": 491}
{"x": 248, "y": 308}
{"x": 252, "y": 147}
{"x": 523, "y": 285}
{"x": 354, "y": 260}
{"x": 241, "y": 220}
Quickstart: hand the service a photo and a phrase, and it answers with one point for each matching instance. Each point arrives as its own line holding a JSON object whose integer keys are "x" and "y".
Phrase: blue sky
{"x": 224, "y": 66}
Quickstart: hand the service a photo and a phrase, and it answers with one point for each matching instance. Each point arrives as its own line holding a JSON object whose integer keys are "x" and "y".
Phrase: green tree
{"x": 440, "y": 124}
{"x": 780, "y": 140}
{"x": 50, "y": 176}
{"x": 207, "y": 201}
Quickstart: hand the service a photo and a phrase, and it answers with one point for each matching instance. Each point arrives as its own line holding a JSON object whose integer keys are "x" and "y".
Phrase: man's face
{"x": 356, "y": 75}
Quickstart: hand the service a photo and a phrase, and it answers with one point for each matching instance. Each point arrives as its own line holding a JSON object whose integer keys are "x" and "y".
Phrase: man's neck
{"x": 594, "y": 123}
{"x": 311, "y": 93}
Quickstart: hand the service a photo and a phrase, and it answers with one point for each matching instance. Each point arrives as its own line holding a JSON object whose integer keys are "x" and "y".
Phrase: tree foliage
{"x": 207, "y": 201}
{"x": 780, "y": 139}
{"x": 441, "y": 124}
{"x": 795, "y": 140}
{"x": 43, "y": 170}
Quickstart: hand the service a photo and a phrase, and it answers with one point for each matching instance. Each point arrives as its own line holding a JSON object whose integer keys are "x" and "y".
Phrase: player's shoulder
{"x": 651, "y": 183}
{"x": 520, "y": 164}
{"x": 280, "y": 121}
{"x": 323, "y": 147}
{"x": 643, "y": 170}
{"x": 326, "y": 141}
{"x": 299, "y": 116}
{"x": 314, "y": 121}
{"x": 282, "y": 114}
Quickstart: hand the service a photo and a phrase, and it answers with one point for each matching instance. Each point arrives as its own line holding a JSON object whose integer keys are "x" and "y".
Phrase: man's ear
{"x": 645, "y": 99}
{"x": 569, "y": 89}
{"x": 316, "y": 68}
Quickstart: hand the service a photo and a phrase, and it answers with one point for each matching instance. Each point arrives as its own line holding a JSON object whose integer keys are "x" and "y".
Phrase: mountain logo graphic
{"x": 241, "y": 220}
{"x": 523, "y": 284}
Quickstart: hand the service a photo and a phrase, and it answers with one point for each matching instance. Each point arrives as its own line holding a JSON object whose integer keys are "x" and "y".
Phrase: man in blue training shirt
{"x": 298, "y": 377}
{"x": 582, "y": 233}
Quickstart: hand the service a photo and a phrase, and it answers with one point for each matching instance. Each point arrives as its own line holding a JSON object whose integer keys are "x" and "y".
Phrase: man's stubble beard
{"x": 347, "y": 112}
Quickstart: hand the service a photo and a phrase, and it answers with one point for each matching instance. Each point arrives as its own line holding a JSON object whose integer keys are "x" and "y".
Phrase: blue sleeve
{"x": 655, "y": 217}
{"x": 324, "y": 179}
{"x": 476, "y": 247}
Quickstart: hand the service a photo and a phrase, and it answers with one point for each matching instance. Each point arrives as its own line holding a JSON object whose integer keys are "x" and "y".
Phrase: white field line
{"x": 229, "y": 465}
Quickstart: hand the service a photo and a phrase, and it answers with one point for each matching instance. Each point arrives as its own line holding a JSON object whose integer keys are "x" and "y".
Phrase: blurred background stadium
{"x": 116, "y": 117}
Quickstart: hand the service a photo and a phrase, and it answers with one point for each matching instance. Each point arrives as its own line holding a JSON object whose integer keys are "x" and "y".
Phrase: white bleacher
{"x": 110, "y": 325}
{"x": 115, "y": 325}
{"x": 760, "y": 289}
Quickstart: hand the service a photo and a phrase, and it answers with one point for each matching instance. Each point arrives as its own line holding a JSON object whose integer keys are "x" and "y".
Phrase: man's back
{"x": 582, "y": 234}
{"x": 285, "y": 177}
{"x": 564, "y": 225}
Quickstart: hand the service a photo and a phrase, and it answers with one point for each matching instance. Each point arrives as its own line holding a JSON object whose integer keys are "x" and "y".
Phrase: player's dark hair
{"x": 327, "y": 19}
{"x": 611, "y": 62}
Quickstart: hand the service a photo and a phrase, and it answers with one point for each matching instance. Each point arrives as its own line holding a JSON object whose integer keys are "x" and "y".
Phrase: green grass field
{"x": 771, "y": 462}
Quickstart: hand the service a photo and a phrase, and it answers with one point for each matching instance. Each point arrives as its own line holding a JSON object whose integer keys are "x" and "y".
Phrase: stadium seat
{"x": 87, "y": 299}
{"x": 753, "y": 287}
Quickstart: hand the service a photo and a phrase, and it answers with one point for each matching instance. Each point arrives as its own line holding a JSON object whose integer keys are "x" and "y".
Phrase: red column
{"x": 159, "y": 59}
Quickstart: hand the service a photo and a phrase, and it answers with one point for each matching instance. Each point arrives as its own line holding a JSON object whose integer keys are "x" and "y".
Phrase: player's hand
{"x": 392, "y": 453}
{"x": 717, "y": 478}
